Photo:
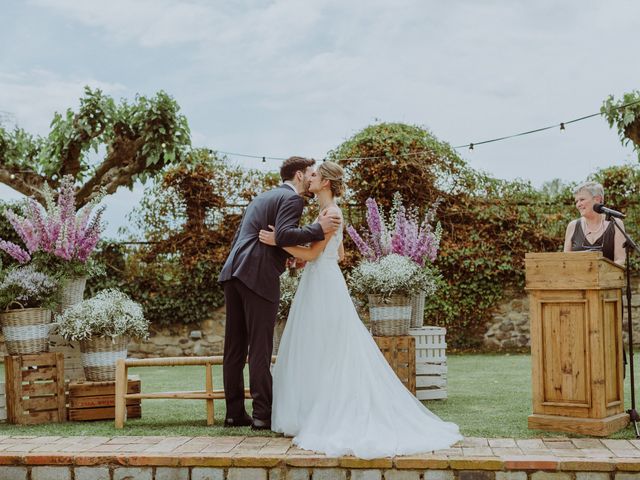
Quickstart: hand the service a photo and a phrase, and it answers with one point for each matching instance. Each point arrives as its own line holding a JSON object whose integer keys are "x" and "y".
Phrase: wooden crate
{"x": 73, "y": 369}
{"x": 35, "y": 388}
{"x": 431, "y": 362}
{"x": 96, "y": 400}
{"x": 400, "y": 353}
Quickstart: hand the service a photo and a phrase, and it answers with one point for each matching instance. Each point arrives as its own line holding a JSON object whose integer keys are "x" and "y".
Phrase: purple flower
{"x": 57, "y": 229}
{"x": 360, "y": 243}
{"x": 15, "y": 251}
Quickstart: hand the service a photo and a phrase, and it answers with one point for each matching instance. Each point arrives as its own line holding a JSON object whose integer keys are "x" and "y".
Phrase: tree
{"x": 394, "y": 157}
{"x": 625, "y": 115}
{"x": 140, "y": 138}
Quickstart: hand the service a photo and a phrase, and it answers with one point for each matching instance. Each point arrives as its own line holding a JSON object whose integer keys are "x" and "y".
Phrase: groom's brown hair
{"x": 293, "y": 164}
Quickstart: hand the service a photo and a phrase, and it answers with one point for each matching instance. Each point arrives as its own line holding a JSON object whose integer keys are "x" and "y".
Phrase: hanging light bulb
{"x": 562, "y": 126}
{"x": 471, "y": 146}
{"x": 264, "y": 160}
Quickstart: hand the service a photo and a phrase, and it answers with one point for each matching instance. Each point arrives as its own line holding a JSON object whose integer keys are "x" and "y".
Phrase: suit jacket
{"x": 255, "y": 264}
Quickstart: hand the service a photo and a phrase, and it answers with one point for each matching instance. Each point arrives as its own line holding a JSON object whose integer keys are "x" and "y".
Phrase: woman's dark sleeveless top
{"x": 604, "y": 243}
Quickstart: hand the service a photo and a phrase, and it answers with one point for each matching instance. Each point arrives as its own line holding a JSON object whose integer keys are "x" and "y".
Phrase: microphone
{"x": 600, "y": 208}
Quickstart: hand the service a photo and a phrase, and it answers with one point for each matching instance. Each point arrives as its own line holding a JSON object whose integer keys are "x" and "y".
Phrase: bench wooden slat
{"x": 209, "y": 395}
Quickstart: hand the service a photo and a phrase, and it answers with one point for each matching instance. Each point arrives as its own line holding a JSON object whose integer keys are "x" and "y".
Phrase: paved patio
{"x": 488, "y": 454}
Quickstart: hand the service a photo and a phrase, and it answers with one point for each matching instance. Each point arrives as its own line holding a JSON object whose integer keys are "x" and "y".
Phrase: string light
{"x": 470, "y": 146}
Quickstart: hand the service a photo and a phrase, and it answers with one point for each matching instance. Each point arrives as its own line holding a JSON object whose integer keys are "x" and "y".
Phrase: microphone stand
{"x": 629, "y": 245}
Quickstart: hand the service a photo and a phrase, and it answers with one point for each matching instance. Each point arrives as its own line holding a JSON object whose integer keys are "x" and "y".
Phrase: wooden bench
{"x": 208, "y": 394}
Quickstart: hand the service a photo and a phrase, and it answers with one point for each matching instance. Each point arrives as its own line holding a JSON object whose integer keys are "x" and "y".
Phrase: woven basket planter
{"x": 26, "y": 330}
{"x": 72, "y": 293}
{"x": 417, "y": 309}
{"x": 99, "y": 357}
{"x": 390, "y": 316}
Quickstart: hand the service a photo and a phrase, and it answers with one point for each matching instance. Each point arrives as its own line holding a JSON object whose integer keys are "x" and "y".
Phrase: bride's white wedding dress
{"x": 332, "y": 388}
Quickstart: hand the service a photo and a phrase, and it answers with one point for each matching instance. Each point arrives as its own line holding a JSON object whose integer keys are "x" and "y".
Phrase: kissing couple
{"x": 332, "y": 389}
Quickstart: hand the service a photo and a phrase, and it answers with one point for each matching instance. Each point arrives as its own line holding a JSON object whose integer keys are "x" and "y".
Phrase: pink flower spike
{"x": 15, "y": 251}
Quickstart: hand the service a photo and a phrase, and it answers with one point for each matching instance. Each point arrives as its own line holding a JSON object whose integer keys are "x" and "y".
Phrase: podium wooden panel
{"x": 576, "y": 342}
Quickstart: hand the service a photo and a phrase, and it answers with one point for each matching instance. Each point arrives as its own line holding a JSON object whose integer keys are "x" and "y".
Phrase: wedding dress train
{"x": 333, "y": 390}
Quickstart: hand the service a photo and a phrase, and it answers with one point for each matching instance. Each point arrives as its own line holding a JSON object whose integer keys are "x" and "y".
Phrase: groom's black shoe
{"x": 238, "y": 422}
{"x": 258, "y": 424}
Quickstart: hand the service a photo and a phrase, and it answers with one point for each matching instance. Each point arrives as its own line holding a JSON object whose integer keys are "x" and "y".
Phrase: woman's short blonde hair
{"x": 335, "y": 174}
{"x": 595, "y": 189}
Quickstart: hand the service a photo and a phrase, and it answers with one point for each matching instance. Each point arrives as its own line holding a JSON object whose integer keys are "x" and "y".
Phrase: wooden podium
{"x": 576, "y": 342}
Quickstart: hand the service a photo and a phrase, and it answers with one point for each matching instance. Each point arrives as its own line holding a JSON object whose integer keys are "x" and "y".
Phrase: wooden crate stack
{"x": 35, "y": 390}
{"x": 399, "y": 351}
{"x": 431, "y": 362}
{"x": 96, "y": 400}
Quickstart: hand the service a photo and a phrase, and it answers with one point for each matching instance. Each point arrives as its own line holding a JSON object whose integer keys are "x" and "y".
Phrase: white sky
{"x": 299, "y": 77}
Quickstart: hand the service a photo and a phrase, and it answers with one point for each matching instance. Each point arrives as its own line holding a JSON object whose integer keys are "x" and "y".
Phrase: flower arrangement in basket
{"x": 390, "y": 283}
{"x": 103, "y": 324}
{"x": 288, "y": 285}
{"x": 403, "y": 235}
{"x": 26, "y": 328}
{"x": 58, "y": 239}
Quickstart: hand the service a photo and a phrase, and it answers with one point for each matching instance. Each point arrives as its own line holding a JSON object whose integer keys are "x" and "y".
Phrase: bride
{"x": 332, "y": 388}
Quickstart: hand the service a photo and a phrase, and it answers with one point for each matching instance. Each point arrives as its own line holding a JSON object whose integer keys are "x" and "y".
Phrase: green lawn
{"x": 489, "y": 396}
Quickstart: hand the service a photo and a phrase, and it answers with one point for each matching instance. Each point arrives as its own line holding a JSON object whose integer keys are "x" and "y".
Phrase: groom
{"x": 251, "y": 280}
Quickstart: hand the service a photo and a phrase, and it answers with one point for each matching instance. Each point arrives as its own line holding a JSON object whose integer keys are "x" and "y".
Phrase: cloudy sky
{"x": 287, "y": 77}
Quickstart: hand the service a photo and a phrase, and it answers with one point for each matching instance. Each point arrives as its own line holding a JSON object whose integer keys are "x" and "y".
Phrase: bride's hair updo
{"x": 334, "y": 173}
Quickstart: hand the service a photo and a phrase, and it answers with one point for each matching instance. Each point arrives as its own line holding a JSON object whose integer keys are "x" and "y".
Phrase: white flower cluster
{"x": 27, "y": 286}
{"x": 392, "y": 274}
{"x": 109, "y": 314}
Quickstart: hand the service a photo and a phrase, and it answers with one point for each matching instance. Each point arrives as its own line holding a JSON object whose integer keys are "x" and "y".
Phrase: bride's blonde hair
{"x": 335, "y": 174}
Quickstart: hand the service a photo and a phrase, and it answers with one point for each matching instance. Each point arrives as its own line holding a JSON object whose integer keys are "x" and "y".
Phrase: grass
{"x": 489, "y": 396}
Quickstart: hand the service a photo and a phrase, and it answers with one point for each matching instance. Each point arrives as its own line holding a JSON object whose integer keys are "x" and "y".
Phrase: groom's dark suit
{"x": 251, "y": 277}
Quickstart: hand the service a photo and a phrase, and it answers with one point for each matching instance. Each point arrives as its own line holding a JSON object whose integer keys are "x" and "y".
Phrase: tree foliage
{"x": 625, "y": 115}
{"x": 139, "y": 140}
{"x": 188, "y": 220}
{"x": 389, "y": 157}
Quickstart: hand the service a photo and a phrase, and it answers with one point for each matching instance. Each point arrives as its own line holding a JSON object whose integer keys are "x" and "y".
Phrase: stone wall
{"x": 205, "y": 338}
{"x": 510, "y": 326}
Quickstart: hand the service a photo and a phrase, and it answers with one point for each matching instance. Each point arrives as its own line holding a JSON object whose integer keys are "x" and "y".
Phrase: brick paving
{"x": 484, "y": 453}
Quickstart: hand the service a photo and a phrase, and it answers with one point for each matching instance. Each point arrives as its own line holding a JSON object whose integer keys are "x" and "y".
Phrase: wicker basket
{"x": 390, "y": 316}
{"x": 417, "y": 309}
{"x": 99, "y": 357}
{"x": 26, "y": 330}
{"x": 72, "y": 293}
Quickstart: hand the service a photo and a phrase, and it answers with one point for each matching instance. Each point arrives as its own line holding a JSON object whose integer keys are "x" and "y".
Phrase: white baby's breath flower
{"x": 392, "y": 274}
{"x": 109, "y": 314}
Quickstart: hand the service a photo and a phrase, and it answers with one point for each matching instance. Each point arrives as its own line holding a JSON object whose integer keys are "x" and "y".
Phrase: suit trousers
{"x": 249, "y": 328}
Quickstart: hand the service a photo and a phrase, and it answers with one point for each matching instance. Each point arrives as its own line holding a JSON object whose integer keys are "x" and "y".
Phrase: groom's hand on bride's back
{"x": 329, "y": 221}
{"x": 268, "y": 236}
